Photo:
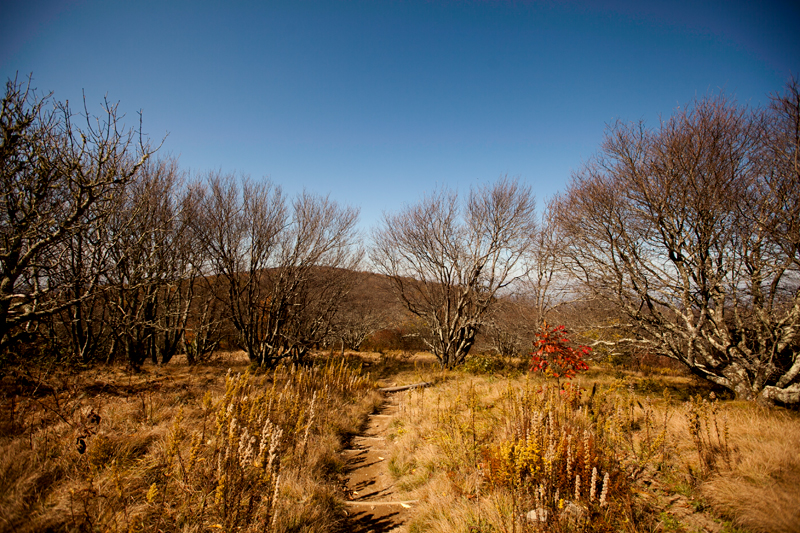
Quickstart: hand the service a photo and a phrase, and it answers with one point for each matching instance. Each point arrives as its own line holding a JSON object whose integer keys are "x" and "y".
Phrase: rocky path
{"x": 372, "y": 503}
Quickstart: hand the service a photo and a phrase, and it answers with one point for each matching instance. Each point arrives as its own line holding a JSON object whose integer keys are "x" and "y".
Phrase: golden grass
{"x": 468, "y": 450}
{"x": 180, "y": 448}
{"x": 184, "y": 448}
{"x": 745, "y": 470}
{"x": 761, "y": 489}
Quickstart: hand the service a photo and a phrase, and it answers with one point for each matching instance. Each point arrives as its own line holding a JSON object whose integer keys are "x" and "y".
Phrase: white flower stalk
{"x": 274, "y": 503}
{"x": 245, "y": 452}
{"x": 275, "y": 438}
{"x": 604, "y": 492}
{"x": 569, "y": 456}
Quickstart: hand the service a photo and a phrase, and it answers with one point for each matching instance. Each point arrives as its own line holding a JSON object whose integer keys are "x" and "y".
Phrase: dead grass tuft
{"x": 760, "y": 490}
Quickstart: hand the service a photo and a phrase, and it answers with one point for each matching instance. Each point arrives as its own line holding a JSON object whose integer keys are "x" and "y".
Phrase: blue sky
{"x": 377, "y": 102}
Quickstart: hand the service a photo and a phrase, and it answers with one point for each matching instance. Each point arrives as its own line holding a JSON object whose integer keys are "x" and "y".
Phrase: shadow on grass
{"x": 682, "y": 390}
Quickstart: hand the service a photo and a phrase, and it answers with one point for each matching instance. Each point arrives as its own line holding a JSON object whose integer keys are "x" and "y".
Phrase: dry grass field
{"x": 217, "y": 448}
{"x": 503, "y": 451}
{"x": 179, "y": 448}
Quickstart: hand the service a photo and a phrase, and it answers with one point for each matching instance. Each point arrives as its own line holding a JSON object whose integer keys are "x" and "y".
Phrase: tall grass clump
{"x": 708, "y": 427}
{"x": 753, "y": 468}
{"x": 633, "y": 426}
{"x": 557, "y": 458}
{"x": 525, "y": 454}
{"x": 238, "y": 452}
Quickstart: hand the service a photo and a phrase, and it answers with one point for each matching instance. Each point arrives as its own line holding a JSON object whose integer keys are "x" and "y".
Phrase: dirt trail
{"x": 372, "y": 503}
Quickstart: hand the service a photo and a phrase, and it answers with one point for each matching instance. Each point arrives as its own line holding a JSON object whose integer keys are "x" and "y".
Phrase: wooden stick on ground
{"x": 406, "y": 387}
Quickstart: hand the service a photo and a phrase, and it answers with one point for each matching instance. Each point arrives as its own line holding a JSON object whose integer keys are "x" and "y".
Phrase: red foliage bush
{"x": 555, "y": 354}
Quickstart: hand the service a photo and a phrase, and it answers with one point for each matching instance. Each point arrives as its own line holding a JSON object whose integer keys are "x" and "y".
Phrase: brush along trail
{"x": 372, "y": 504}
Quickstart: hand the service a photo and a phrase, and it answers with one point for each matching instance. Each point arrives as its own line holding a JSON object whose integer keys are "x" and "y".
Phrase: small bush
{"x": 555, "y": 355}
{"x": 483, "y": 364}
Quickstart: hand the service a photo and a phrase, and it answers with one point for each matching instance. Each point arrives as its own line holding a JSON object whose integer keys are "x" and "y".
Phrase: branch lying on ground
{"x": 406, "y": 387}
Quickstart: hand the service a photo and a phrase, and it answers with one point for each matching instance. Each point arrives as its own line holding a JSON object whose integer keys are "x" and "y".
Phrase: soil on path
{"x": 372, "y": 504}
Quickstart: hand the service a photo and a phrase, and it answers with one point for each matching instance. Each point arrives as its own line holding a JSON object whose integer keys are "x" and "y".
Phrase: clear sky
{"x": 377, "y": 102}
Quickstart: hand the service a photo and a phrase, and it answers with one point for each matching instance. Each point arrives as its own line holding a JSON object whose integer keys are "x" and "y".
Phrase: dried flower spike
{"x": 604, "y": 492}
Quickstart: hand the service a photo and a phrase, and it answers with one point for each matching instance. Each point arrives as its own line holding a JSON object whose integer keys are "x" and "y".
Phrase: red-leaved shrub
{"x": 555, "y": 354}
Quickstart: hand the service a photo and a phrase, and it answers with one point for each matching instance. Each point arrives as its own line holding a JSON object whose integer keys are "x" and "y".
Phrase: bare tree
{"x": 448, "y": 262}
{"x": 182, "y": 257}
{"x": 778, "y": 201}
{"x": 510, "y": 325}
{"x": 82, "y": 327}
{"x": 318, "y": 306}
{"x": 516, "y": 319}
{"x": 365, "y": 310}
{"x": 205, "y": 327}
{"x": 52, "y": 174}
{"x": 677, "y": 227}
{"x": 281, "y": 273}
{"x": 150, "y": 261}
{"x": 546, "y": 287}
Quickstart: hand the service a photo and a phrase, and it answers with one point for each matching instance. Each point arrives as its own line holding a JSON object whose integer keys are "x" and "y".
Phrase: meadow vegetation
{"x": 178, "y": 448}
{"x": 612, "y": 450}
{"x": 490, "y": 447}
